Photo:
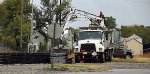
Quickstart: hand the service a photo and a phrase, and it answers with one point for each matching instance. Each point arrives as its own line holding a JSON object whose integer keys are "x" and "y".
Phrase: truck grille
{"x": 87, "y": 48}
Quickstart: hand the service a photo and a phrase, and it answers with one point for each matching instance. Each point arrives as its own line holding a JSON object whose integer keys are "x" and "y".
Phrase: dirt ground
{"x": 34, "y": 68}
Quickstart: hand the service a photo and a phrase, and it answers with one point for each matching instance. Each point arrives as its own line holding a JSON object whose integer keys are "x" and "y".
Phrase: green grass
{"x": 134, "y": 60}
{"x": 78, "y": 68}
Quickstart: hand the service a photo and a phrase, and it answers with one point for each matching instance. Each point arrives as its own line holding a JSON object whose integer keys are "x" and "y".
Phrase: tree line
{"x": 10, "y": 11}
{"x": 140, "y": 30}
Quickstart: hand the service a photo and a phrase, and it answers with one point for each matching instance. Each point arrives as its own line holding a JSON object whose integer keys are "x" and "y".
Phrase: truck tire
{"x": 77, "y": 60}
{"x": 110, "y": 57}
{"x": 128, "y": 56}
{"x": 102, "y": 58}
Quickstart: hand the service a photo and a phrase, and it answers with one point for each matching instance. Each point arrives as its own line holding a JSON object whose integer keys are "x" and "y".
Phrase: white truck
{"x": 94, "y": 44}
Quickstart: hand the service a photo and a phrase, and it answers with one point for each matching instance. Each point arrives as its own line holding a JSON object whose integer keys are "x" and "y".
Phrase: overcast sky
{"x": 126, "y": 12}
{"x": 1, "y": 1}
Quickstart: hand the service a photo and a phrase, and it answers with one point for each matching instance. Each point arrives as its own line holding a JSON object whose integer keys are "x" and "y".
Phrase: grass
{"x": 134, "y": 60}
{"x": 145, "y": 58}
{"x": 78, "y": 68}
{"x": 146, "y": 55}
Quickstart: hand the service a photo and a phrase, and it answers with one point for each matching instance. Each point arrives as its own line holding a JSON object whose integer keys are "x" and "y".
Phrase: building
{"x": 135, "y": 43}
{"x": 38, "y": 39}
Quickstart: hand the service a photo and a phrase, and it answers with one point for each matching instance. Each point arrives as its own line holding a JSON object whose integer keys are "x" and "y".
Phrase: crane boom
{"x": 76, "y": 13}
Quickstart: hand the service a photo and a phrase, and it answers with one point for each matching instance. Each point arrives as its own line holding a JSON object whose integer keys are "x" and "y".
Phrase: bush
{"x": 43, "y": 48}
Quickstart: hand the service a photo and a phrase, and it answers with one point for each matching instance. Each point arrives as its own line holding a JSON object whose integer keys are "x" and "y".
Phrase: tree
{"x": 110, "y": 22}
{"x": 50, "y": 12}
{"x": 75, "y": 33}
{"x": 3, "y": 15}
{"x": 11, "y": 22}
{"x": 140, "y": 30}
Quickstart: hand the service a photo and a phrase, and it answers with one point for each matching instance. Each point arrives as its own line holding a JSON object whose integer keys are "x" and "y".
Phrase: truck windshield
{"x": 90, "y": 35}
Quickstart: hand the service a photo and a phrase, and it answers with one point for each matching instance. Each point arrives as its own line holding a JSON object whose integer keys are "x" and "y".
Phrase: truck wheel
{"x": 102, "y": 58}
{"x": 77, "y": 60}
{"x": 110, "y": 57}
{"x": 128, "y": 56}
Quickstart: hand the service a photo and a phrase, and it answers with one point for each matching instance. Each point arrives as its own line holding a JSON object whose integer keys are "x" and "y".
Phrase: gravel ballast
{"x": 123, "y": 65}
{"x": 35, "y": 68}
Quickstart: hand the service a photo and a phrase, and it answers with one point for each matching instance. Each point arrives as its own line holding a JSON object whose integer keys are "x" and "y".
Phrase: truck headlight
{"x": 100, "y": 49}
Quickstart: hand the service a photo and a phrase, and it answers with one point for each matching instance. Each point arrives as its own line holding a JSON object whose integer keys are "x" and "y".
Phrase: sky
{"x": 126, "y": 12}
{"x": 1, "y": 1}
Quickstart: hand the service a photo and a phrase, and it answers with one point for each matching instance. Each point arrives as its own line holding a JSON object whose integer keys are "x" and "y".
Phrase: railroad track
{"x": 32, "y": 58}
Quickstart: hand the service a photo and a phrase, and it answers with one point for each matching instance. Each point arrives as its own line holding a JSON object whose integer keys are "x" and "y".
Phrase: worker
{"x": 101, "y": 15}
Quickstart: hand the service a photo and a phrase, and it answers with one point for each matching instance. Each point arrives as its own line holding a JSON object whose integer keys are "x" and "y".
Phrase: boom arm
{"x": 76, "y": 13}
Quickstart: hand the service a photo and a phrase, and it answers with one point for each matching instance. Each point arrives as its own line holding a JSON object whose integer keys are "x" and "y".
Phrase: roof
{"x": 41, "y": 32}
{"x": 135, "y": 40}
{"x": 134, "y": 36}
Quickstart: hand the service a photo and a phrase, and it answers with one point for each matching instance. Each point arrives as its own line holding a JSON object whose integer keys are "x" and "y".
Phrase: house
{"x": 135, "y": 43}
{"x": 38, "y": 38}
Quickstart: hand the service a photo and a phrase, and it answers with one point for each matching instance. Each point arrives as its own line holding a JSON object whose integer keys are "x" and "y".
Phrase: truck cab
{"x": 92, "y": 45}
{"x": 90, "y": 41}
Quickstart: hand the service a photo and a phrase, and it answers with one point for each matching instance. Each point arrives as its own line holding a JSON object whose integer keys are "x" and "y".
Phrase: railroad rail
{"x": 32, "y": 58}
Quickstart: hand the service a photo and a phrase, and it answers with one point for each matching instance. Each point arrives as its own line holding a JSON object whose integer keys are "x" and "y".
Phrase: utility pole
{"x": 60, "y": 15}
{"x": 53, "y": 40}
{"x": 53, "y": 45}
{"x": 21, "y": 24}
{"x": 31, "y": 26}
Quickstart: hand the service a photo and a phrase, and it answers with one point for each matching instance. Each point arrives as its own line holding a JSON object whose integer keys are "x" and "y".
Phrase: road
{"x": 127, "y": 71}
{"x": 115, "y": 71}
